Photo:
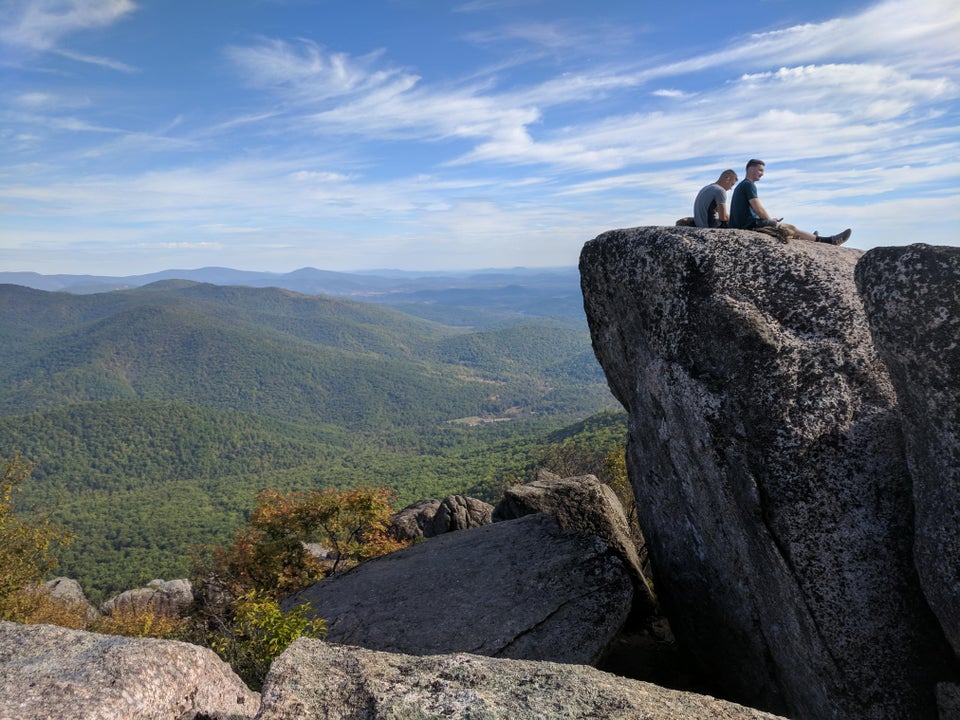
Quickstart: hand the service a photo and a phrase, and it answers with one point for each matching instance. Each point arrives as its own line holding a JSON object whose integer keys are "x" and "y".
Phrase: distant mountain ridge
{"x": 550, "y": 292}
{"x": 272, "y": 352}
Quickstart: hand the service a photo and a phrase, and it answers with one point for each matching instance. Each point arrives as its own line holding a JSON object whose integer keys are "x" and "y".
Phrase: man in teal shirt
{"x": 748, "y": 213}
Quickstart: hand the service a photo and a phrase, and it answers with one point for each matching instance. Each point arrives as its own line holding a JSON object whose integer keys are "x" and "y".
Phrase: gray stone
{"x": 313, "y": 679}
{"x": 912, "y": 300}
{"x": 765, "y": 456}
{"x": 429, "y": 518}
{"x": 52, "y": 672}
{"x": 581, "y": 503}
{"x": 948, "y": 701}
{"x": 68, "y": 590}
{"x": 520, "y": 589}
{"x": 170, "y": 597}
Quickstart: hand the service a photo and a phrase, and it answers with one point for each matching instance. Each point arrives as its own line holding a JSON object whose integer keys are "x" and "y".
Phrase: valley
{"x": 154, "y": 413}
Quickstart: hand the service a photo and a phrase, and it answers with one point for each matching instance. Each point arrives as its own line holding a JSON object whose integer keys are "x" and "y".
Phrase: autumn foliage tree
{"x": 271, "y": 553}
{"x": 241, "y": 584}
{"x": 26, "y": 548}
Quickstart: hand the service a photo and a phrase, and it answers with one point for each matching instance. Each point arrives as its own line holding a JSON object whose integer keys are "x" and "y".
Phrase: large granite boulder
{"x": 53, "y": 672}
{"x": 581, "y": 503}
{"x": 429, "y": 518}
{"x": 520, "y": 589}
{"x": 313, "y": 679}
{"x": 912, "y": 299}
{"x": 765, "y": 454}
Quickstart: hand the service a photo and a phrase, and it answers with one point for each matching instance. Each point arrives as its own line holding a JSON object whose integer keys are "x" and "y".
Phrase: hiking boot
{"x": 838, "y": 239}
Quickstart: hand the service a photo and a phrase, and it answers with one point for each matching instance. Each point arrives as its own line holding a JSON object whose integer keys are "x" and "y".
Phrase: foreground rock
{"x": 313, "y": 679}
{"x": 912, "y": 298}
{"x": 52, "y": 672}
{"x": 581, "y": 503}
{"x": 429, "y": 518}
{"x": 765, "y": 456}
{"x": 519, "y": 589}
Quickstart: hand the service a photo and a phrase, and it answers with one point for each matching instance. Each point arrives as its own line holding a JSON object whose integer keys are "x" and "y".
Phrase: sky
{"x": 270, "y": 135}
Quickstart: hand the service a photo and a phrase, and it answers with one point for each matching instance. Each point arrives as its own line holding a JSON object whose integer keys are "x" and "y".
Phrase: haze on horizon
{"x": 270, "y": 135}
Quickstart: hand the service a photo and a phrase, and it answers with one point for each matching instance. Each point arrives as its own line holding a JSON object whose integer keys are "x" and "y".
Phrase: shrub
{"x": 260, "y": 631}
{"x": 141, "y": 619}
{"x": 34, "y": 605}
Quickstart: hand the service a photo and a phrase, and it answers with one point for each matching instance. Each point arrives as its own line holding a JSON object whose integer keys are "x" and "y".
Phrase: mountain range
{"x": 154, "y": 413}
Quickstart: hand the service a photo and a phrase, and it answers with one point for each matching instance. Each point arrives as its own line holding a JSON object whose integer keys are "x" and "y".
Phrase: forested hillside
{"x": 155, "y": 414}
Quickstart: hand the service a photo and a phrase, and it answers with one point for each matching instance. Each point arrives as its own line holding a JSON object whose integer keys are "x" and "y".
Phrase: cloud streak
{"x": 42, "y": 24}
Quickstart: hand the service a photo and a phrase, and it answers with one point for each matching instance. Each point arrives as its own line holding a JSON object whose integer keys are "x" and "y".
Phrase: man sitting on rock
{"x": 748, "y": 213}
{"x": 710, "y": 207}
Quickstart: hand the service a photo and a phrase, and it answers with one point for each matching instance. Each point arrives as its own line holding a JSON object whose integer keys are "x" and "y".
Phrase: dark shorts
{"x": 758, "y": 223}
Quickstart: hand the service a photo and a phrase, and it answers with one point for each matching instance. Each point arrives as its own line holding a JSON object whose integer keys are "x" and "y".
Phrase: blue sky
{"x": 140, "y": 135}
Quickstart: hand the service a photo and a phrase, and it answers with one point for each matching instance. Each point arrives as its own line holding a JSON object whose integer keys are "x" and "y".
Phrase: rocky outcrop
{"x": 765, "y": 456}
{"x": 53, "y": 672}
{"x": 585, "y": 504}
{"x": 429, "y": 518}
{"x": 170, "y": 597}
{"x": 313, "y": 679}
{"x": 912, "y": 299}
{"x": 68, "y": 591}
{"x": 520, "y": 589}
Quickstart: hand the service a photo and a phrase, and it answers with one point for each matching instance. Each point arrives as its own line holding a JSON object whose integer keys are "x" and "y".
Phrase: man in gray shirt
{"x": 710, "y": 207}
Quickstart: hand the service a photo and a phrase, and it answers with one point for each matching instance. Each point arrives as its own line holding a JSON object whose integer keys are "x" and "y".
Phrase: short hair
{"x": 754, "y": 161}
{"x": 728, "y": 174}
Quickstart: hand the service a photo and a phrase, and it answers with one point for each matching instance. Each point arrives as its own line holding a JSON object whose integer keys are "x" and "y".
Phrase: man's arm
{"x": 759, "y": 209}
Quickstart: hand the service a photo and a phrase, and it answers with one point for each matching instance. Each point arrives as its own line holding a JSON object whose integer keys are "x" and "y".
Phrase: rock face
{"x": 170, "y": 597}
{"x": 585, "y": 504}
{"x": 429, "y": 518}
{"x": 912, "y": 299}
{"x": 313, "y": 679}
{"x": 52, "y": 672}
{"x": 68, "y": 590}
{"x": 520, "y": 589}
{"x": 765, "y": 456}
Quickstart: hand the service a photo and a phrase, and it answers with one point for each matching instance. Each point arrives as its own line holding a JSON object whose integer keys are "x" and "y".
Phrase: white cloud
{"x": 41, "y": 24}
{"x": 101, "y": 61}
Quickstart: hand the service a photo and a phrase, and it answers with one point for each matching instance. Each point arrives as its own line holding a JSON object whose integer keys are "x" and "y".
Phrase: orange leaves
{"x": 271, "y": 552}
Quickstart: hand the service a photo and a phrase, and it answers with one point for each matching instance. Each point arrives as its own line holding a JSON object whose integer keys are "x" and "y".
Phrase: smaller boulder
{"x": 68, "y": 591}
{"x": 429, "y": 518}
{"x": 171, "y": 597}
{"x": 585, "y": 504}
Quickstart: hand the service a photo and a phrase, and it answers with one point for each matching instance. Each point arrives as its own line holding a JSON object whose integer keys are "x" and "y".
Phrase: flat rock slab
{"x": 523, "y": 588}
{"x": 60, "y": 674}
{"x": 313, "y": 679}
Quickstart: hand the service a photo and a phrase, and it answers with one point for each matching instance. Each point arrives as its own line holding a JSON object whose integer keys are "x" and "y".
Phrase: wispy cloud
{"x": 101, "y": 61}
{"x": 533, "y": 148}
{"x": 834, "y": 107}
{"x": 41, "y": 24}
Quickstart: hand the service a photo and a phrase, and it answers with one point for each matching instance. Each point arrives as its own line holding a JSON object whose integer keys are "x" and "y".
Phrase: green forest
{"x": 153, "y": 416}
